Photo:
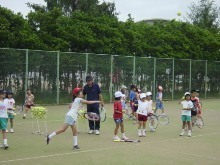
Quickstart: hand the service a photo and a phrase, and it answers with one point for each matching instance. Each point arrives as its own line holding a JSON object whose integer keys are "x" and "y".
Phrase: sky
{"x": 139, "y": 9}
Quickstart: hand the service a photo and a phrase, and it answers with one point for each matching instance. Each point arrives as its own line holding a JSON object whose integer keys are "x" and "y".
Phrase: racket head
{"x": 199, "y": 122}
{"x": 92, "y": 116}
{"x": 153, "y": 121}
{"x": 102, "y": 112}
{"x": 164, "y": 120}
{"x": 19, "y": 109}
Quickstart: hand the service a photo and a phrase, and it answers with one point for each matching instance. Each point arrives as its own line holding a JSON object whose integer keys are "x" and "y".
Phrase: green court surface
{"x": 164, "y": 146}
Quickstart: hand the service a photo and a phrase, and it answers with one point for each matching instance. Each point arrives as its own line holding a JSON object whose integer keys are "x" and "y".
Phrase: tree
{"x": 205, "y": 14}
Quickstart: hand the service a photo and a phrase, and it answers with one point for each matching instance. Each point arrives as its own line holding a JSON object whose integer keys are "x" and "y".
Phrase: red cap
{"x": 76, "y": 90}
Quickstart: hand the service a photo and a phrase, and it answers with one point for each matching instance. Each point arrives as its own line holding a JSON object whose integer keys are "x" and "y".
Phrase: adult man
{"x": 93, "y": 92}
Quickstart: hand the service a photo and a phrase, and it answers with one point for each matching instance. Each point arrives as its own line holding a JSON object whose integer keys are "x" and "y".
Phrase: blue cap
{"x": 2, "y": 91}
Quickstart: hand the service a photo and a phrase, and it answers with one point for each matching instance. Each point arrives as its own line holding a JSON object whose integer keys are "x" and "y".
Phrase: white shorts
{"x": 69, "y": 120}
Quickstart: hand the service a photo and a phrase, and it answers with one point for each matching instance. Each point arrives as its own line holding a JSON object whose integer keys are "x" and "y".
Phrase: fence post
{"x": 26, "y": 72}
{"x": 111, "y": 73}
{"x": 154, "y": 86}
{"x": 190, "y": 74}
{"x": 87, "y": 63}
{"x": 134, "y": 70}
{"x": 206, "y": 63}
{"x": 173, "y": 79}
{"x": 58, "y": 73}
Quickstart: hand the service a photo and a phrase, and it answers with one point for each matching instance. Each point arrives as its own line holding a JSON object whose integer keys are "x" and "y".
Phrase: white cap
{"x": 118, "y": 94}
{"x": 187, "y": 93}
{"x": 123, "y": 87}
{"x": 148, "y": 94}
{"x": 142, "y": 95}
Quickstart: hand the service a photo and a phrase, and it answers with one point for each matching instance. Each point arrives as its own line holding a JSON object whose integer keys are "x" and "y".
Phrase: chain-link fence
{"x": 52, "y": 75}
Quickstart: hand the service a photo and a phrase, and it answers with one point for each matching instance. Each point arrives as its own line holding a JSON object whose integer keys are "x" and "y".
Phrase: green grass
{"x": 164, "y": 146}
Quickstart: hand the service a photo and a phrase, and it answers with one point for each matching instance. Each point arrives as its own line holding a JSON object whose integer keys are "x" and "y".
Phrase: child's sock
{"x": 52, "y": 135}
{"x": 5, "y": 141}
{"x": 74, "y": 140}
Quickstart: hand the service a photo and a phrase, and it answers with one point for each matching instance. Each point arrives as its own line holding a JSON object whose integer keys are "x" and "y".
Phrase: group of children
{"x": 141, "y": 105}
{"x": 7, "y": 107}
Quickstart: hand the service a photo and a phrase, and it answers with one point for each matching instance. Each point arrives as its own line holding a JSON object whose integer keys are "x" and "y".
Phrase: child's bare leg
{"x": 12, "y": 123}
{"x": 116, "y": 129}
{"x": 122, "y": 127}
{"x": 184, "y": 125}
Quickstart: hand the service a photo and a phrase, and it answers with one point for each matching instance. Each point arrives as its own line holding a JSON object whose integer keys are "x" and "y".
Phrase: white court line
{"x": 102, "y": 149}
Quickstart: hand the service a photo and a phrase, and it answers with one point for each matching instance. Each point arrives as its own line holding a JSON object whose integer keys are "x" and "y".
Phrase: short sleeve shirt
{"x": 187, "y": 104}
{"x": 142, "y": 108}
{"x": 118, "y": 107}
{"x": 132, "y": 96}
{"x": 3, "y": 110}
{"x": 9, "y": 102}
{"x": 73, "y": 112}
{"x": 92, "y": 92}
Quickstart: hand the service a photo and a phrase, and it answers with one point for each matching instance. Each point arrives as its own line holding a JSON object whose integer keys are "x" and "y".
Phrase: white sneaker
{"x": 1, "y": 146}
{"x": 97, "y": 132}
{"x": 12, "y": 131}
{"x": 139, "y": 133}
{"x": 90, "y": 131}
{"x": 6, "y": 131}
{"x": 143, "y": 133}
{"x": 189, "y": 135}
{"x": 152, "y": 129}
{"x": 116, "y": 138}
{"x": 182, "y": 133}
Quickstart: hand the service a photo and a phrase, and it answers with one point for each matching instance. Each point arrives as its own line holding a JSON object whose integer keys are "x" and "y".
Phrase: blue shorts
{"x": 69, "y": 120}
{"x": 118, "y": 121}
{"x": 159, "y": 105}
{"x": 3, "y": 123}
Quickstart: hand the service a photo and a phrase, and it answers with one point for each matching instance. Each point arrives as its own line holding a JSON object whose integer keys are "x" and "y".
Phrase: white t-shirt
{"x": 187, "y": 104}
{"x": 142, "y": 108}
{"x": 150, "y": 106}
{"x": 3, "y": 110}
{"x": 73, "y": 112}
{"x": 9, "y": 102}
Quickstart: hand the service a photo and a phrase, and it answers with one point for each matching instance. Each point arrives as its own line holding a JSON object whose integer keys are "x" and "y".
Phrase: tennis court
{"x": 164, "y": 146}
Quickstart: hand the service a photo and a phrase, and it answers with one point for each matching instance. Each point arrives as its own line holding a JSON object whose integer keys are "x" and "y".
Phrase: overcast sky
{"x": 139, "y": 9}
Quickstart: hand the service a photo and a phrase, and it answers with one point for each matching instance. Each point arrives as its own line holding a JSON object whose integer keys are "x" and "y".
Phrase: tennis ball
{"x": 14, "y": 114}
{"x": 179, "y": 13}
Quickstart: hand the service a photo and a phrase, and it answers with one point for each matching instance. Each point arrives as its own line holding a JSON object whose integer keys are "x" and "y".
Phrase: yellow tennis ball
{"x": 179, "y": 13}
{"x": 14, "y": 114}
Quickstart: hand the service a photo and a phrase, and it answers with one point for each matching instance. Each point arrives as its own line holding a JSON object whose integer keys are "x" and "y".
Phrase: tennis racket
{"x": 199, "y": 122}
{"x": 129, "y": 140}
{"x": 153, "y": 121}
{"x": 163, "y": 119}
{"x": 19, "y": 109}
{"x": 102, "y": 112}
{"x": 90, "y": 116}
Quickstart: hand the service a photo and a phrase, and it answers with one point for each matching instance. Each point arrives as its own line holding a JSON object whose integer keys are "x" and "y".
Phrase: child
{"x": 3, "y": 118}
{"x": 159, "y": 100}
{"x": 123, "y": 99}
{"x": 29, "y": 101}
{"x": 186, "y": 114}
{"x": 142, "y": 114}
{"x": 195, "y": 108}
{"x": 10, "y": 102}
{"x": 199, "y": 103}
{"x": 150, "y": 108}
{"x": 71, "y": 117}
{"x": 118, "y": 117}
{"x": 132, "y": 98}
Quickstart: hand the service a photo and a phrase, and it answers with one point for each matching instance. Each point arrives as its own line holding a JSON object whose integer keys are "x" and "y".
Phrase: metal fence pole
{"x": 58, "y": 73}
{"x": 206, "y": 63}
{"x": 134, "y": 61}
{"x": 111, "y": 73}
{"x": 154, "y": 86}
{"x": 190, "y": 74}
{"x": 26, "y": 72}
{"x": 87, "y": 63}
{"x": 173, "y": 80}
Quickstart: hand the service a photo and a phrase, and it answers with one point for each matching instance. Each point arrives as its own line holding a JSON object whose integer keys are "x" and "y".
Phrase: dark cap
{"x": 193, "y": 90}
{"x": 88, "y": 78}
{"x": 2, "y": 91}
{"x": 9, "y": 93}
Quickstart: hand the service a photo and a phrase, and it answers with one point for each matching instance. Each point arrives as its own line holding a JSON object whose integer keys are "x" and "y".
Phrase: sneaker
{"x": 97, "y": 132}
{"x": 116, "y": 138}
{"x": 12, "y": 131}
{"x": 90, "y": 131}
{"x": 182, "y": 133}
{"x": 5, "y": 146}
{"x": 144, "y": 133}
{"x": 152, "y": 129}
{"x": 23, "y": 117}
{"x": 47, "y": 139}
{"x": 76, "y": 147}
{"x": 6, "y": 131}
{"x": 189, "y": 134}
{"x": 124, "y": 138}
{"x": 1, "y": 146}
{"x": 139, "y": 133}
